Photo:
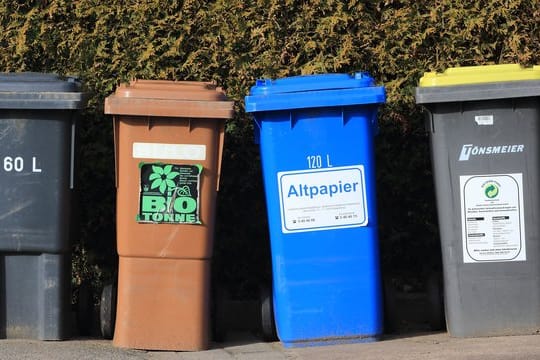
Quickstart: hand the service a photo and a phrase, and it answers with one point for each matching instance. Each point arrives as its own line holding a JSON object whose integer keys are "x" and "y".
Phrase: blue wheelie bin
{"x": 316, "y": 136}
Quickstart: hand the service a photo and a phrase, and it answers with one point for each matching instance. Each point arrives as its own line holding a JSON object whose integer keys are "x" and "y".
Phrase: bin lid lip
{"x": 167, "y": 98}
{"x": 33, "y": 82}
{"x": 477, "y": 92}
{"x": 314, "y": 91}
{"x": 469, "y": 75}
{"x": 318, "y": 82}
{"x": 170, "y": 90}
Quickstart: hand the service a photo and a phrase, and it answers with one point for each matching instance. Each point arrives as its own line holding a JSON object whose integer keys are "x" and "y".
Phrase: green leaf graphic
{"x": 157, "y": 169}
{"x": 156, "y": 183}
{"x": 184, "y": 191}
{"x": 163, "y": 187}
{"x": 172, "y": 175}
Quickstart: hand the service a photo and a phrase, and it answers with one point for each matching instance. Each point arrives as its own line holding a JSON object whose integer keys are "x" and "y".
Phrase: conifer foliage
{"x": 234, "y": 42}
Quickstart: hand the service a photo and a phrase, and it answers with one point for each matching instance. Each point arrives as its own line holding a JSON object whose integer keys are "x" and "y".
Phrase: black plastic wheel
{"x": 219, "y": 314}
{"x": 268, "y": 325}
{"x": 107, "y": 311}
{"x": 85, "y": 308}
{"x": 390, "y": 307}
{"x": 436, "y": 301}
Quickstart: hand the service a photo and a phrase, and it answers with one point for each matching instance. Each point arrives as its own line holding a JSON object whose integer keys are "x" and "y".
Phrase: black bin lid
{"x": 30, "y": 90}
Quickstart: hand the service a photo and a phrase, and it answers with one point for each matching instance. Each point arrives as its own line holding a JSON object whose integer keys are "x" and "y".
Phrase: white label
{"x": 493, "y": 225}
{"x": 169, "y": 151}
{"x": 484, "y": 119}
{"x": 322, "y": 199}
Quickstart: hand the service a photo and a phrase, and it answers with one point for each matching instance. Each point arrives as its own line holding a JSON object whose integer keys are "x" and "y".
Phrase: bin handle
{"x": 375, "y": 122}
{"x": 292, "y": 120}
{"x": 72, "y": 155}
{"x": 429, "y": 125}
{"x": 257, "y": 122}
{"x": 256, "y": 130}
{"x": 221, "y": 140}
{"x": 115, "y": 134}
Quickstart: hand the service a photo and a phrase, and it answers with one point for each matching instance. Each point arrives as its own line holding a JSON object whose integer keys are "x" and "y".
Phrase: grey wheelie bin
{"x": 38, "y": 115}
{"x": 484, "y": 124}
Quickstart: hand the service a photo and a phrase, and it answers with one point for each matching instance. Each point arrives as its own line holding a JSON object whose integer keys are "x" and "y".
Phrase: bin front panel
{"x": 36, "y": 166}
{"x": 163, "y": 304}
{"x": 36, "y": 298}
{"x": 485, "y": 161}
{"x": 154, "y": 136}
{"x": 326, "y": 281}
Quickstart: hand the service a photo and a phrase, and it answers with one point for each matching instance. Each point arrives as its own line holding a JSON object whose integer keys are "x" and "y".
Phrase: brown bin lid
{"x": 191, "y": 99}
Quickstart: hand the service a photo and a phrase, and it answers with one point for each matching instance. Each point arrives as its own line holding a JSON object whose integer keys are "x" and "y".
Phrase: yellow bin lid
{"x": 468, "y": 75}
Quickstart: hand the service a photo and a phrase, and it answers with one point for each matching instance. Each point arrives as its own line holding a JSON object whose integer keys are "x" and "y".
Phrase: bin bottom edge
{"x": 332, "y": 341}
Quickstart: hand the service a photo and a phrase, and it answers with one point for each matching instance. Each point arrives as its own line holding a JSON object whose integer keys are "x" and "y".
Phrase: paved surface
{"x": 414, "y": 342}
{"x": 417, "y": 346}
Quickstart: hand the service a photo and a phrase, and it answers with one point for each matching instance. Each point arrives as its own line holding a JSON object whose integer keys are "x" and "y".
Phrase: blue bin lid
{"x": 29, "y": 90}
{"x": 310, "y": 91}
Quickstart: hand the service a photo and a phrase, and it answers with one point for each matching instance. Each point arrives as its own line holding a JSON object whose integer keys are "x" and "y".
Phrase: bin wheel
{"x": 85, "y": 308}
{"x": 268, "y": 325}
{"x": 436, "y": 301}
{"x": 219, "y": 328}
{"x": 390, "y": 307}
{"x": 107, "y": 311}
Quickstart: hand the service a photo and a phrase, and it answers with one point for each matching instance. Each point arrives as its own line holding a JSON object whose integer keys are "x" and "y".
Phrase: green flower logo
{"x": 162, "y": 177}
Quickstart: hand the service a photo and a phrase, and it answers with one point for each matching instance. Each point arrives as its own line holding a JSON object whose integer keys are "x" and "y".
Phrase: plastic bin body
{"x": 484, "y": 138}
{"x": 38, "y": 115}
{"x": 316, "y": 131}
{"x": 164, "y": 268}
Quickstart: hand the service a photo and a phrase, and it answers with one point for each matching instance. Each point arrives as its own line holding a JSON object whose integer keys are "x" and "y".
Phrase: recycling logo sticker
{"x": 169, "y": 193}
{"x": 492, "y": 218}
{"x": 491, "y": 190}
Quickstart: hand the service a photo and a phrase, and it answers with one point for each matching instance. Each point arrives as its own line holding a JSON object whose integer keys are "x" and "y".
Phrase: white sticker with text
{"x": 322, "y": 199}
{"x": 492, "y": 218}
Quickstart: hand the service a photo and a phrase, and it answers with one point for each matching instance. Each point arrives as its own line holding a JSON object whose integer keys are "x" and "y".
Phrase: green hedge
{"x": 234, "y": 42}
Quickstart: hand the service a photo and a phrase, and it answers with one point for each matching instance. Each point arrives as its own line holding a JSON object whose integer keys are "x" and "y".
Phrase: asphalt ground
{"x": 413, "y": 346}
{"x": 412, "y": 340}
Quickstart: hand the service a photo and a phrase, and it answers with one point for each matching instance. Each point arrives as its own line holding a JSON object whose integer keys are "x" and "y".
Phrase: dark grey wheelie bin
{"x": 38, "y": 115}
{"x": 484, "y": 124}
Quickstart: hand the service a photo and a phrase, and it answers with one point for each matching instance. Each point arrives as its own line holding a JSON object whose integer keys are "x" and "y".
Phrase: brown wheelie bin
{"x": 168, "y": 145}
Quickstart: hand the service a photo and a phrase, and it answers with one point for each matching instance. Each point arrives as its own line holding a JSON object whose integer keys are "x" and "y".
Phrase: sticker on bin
{"x": 322, "y": 199}
{"x": 493, "y": 225}
{"x": 484, "y": 119}
{"x": 169, "y": 193}
{"x": 169, "y": 151}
